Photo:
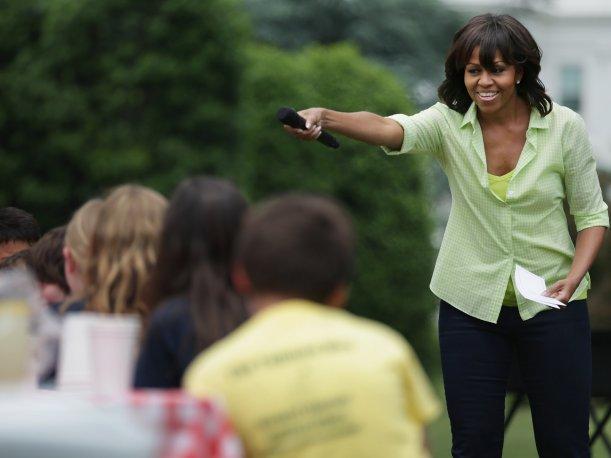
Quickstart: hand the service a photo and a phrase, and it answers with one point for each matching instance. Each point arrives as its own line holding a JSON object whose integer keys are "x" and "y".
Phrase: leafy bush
{"x": 95, "y": 93}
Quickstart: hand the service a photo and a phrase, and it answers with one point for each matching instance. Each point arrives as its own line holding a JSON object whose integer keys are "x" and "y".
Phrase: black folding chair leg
{"x": 600, "y": 428}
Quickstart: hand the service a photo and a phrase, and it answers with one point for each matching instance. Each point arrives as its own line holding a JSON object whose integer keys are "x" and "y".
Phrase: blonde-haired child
{"x": 124, "y": 250}
{"x": 77, "y": 244}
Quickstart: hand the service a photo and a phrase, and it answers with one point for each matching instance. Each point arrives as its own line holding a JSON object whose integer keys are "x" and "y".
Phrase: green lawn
{"x": 519, "y": 439}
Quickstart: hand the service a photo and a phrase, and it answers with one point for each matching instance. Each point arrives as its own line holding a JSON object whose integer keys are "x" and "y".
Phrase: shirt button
{"x": 510, "y": 193}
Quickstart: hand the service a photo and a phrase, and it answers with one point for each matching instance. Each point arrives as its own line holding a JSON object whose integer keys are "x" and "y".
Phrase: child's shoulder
{"x": 211, "y": 364}
{"x": 381, "y": 334}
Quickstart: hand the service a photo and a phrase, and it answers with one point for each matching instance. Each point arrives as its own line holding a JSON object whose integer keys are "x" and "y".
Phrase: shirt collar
{"x": 536, "y": 121}
{"x": 470, "y": 116}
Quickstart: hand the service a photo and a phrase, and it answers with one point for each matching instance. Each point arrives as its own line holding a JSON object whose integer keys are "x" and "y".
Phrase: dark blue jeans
{"x": 554, "y": 355}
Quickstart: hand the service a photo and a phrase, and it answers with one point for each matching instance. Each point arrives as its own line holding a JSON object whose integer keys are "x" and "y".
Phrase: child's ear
{"x": 240, "y": 279}
{"x": 339, "y": 296}
{"x": 69, "y": 263}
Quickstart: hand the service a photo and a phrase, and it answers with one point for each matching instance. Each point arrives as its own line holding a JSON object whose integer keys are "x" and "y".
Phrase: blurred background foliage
{"x": 94, "y": 93}
{"x": 410, "y": 37}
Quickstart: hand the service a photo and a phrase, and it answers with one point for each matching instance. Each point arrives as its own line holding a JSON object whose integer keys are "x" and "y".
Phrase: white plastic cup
{"x": 114, "y": 345}
{"x": 75, "y": 371}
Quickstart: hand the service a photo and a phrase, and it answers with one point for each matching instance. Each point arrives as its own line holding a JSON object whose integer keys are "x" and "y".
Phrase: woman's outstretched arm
{"x": 362, "y": 126}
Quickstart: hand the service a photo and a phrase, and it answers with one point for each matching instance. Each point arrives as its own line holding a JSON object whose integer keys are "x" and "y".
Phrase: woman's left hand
{"x": 562, "y": 290}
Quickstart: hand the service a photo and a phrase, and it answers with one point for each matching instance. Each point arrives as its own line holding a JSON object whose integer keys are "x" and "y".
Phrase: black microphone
{"x": 290, "y": 117}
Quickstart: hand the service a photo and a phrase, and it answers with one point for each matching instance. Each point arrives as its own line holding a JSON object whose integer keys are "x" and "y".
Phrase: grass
{"x": 519, "y": 439}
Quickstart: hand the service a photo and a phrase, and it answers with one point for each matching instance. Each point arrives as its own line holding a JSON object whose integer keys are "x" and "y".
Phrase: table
{"x": 143, "y": 423}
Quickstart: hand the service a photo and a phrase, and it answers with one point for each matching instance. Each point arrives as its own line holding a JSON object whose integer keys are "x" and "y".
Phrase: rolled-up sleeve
{"x": 422, "y": 132}
{"x": 581, "y": 180}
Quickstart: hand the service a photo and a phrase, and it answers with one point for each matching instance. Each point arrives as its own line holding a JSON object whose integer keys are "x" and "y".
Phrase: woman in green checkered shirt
{"x": 512, "y": 157}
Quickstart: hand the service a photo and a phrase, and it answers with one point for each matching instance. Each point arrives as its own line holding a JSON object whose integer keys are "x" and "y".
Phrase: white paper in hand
{"x": 532, "y": 287}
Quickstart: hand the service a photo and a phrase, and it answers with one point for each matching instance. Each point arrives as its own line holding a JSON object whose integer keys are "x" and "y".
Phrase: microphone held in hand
{"x": 290, "y": 117}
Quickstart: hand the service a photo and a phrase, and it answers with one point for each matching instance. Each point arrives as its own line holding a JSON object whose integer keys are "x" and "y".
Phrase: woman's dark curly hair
{"x": 493, "y": 33}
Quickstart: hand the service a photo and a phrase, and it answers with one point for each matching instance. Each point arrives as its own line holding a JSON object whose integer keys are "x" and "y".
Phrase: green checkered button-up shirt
{"x": 485, "y": 237}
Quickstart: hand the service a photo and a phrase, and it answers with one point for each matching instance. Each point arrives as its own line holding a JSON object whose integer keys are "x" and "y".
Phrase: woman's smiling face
{"x": 491, "y": 89}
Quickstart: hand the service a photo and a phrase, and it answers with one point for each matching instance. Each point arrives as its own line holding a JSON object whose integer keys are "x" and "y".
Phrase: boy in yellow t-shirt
{"x": 303, "y": 377}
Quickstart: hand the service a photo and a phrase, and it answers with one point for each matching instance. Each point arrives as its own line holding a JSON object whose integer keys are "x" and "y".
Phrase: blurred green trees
{"x": 411, "y": 37}
{"x": 98, "y": 92}
{"x": 95, "y": 93}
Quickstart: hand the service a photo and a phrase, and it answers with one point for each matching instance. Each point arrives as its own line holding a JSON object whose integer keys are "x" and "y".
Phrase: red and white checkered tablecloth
{"x": 137, "y": 424}
{"x": 189, "y": 427}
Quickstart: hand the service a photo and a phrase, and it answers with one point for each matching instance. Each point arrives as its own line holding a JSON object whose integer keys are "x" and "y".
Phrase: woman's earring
{"x": 518, "y": 82}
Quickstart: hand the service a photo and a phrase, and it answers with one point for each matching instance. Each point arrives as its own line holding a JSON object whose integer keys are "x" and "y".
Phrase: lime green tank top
{"x": 498, "y": 185}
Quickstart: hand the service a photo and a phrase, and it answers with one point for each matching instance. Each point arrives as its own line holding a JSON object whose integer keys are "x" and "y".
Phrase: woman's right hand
{"x": 361, "y": 126}
{"x": 314, "y": 120}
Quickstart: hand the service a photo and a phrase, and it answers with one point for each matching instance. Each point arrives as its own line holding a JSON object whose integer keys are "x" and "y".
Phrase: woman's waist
{"x": 549, "y": 262}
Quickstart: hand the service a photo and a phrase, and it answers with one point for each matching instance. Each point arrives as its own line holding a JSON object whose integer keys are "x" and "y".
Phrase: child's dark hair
{"x": 196, "y": 255}
{"x": 17, "y": 225}
{"x": 47, "y": 260}
{"x": 299, "y": 246}
{"x": 494, "y": 33}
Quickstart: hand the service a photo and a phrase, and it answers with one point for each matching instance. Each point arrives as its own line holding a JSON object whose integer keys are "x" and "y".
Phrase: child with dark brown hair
{"x": 303, "y": 377}
{"x": 18, "y": 231}
{"x": 46, "y": 260}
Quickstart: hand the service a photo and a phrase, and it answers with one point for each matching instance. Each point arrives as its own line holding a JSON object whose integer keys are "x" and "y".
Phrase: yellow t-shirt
{"x": 303, "y": 380}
